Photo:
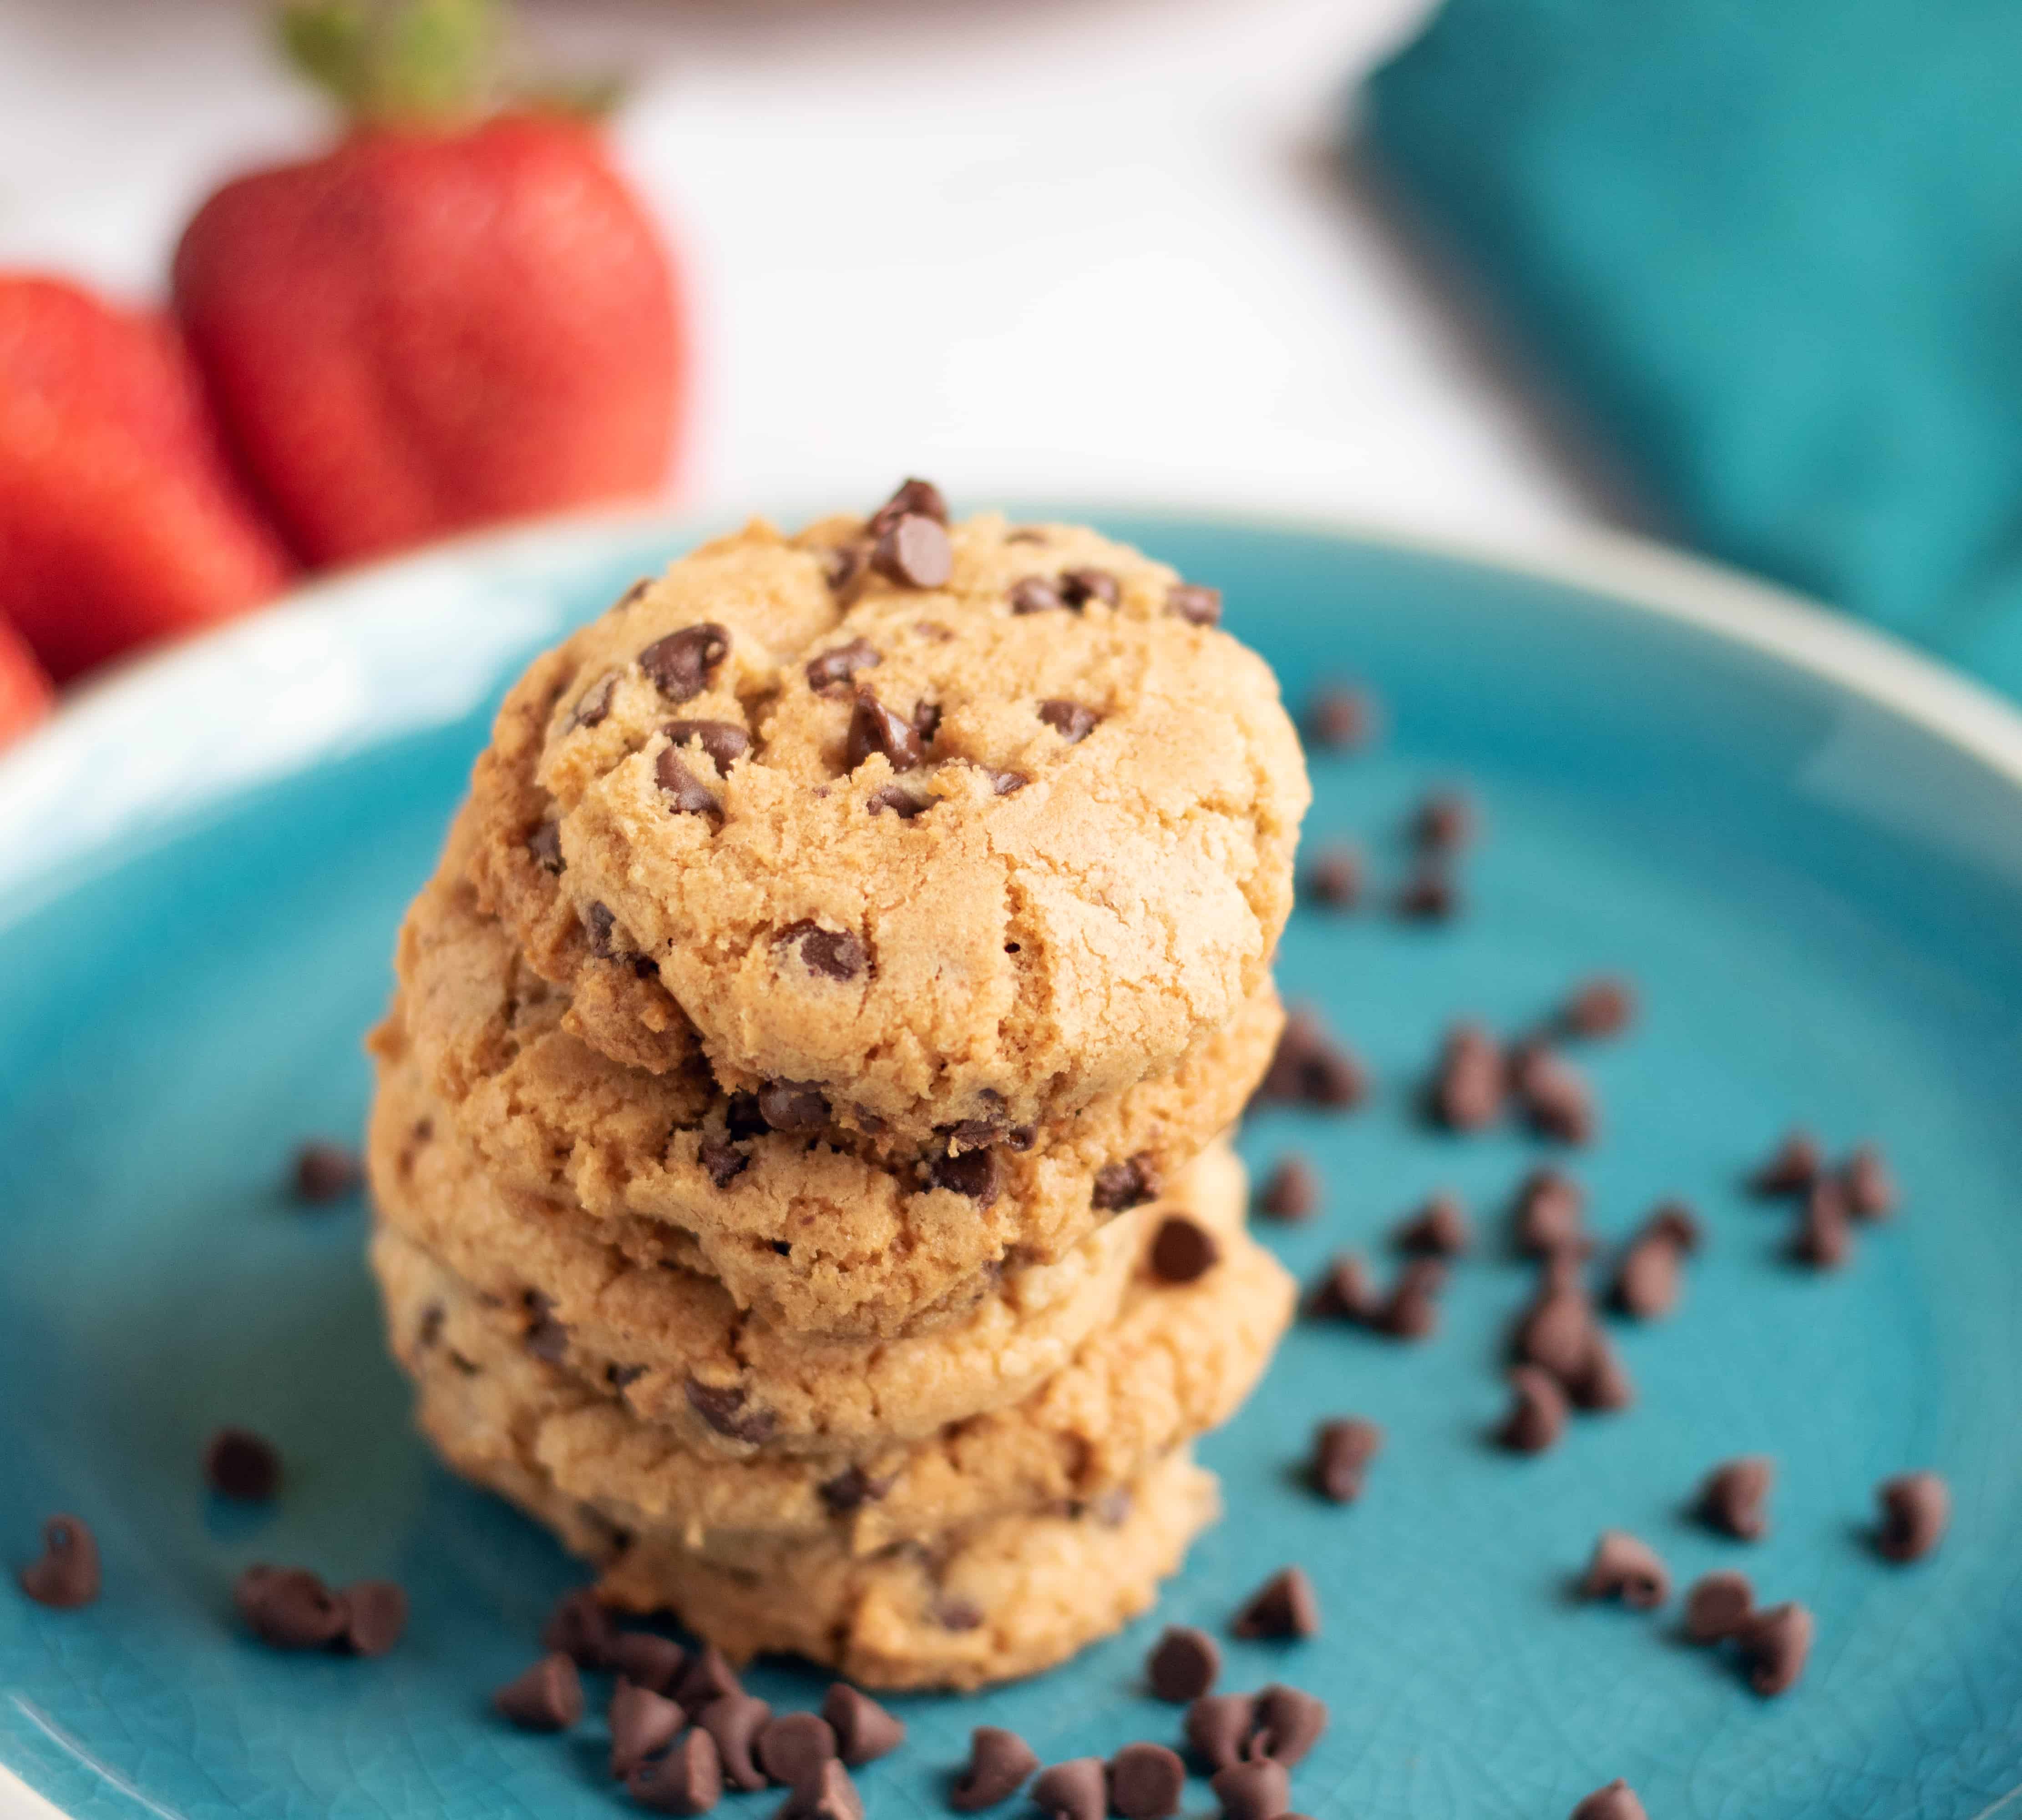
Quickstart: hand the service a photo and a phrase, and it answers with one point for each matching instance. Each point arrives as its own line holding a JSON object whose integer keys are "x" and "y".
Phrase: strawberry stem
{"x": 407, "y": 63}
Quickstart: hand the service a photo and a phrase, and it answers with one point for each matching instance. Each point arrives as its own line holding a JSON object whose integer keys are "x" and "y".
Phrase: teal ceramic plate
{"x": 1805, "y": 847}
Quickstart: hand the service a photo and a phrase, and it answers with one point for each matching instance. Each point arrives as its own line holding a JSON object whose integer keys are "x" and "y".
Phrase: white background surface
{"x": 1038, "y": 245}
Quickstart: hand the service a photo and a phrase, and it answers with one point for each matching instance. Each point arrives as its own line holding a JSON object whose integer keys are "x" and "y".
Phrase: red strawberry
{"x": 120, "y": 520}
{"x": 26, "y": 692}
{"x": 446, "y": 319}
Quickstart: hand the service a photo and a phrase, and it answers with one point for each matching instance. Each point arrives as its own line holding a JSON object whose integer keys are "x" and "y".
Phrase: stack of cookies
{"x": 797, "y": 1156}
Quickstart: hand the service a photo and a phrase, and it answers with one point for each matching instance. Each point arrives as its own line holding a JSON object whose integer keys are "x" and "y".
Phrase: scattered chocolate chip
{"x": 999, "y": 1762}
{"x": 1429, "y": 895}
{"x": 874, "y": 727}
{"x": 1446, "y": 822}
{"x": 912, "y": 499}
{"x": 1004, "y": 783}
{"x": 688, "y": 1780}
{"x": 708, "y": 1677}
{"x": 1603, "y": 1006}
{"x": 725, "y": 1162}
{"x": 1537, "y": 1415}
{"x": 834, "y": 954}
{"x": 650, "y": 1661}
{"x": 1291, "y": 1191}
{"x": 914, "y": 550}
{"x": 1867, "y": 1184}
{"x": 724, "y": 1408}
{"x": 633, "y": 595}
{"x": 1824, "y": 1237}
{"x": 843, "y": 568}
{"x": 864, "y": 1730}
{"x": 1468, "y": 1080}
{"x": 375, "y": 1616}
{"x": 1075, "y": 1790}
{"x": 547, "y": 1698}
{"x": 1183, "y": 1251}
{"x": 681, "y": 664}
{"x": 1617, "y": 1801}
{"x": 1439, "y": 1229}
{"x": 1342, "y": 1450}
{"x": 851, "y": 1489}
{"x": 1334, "y": 878}
{"x": 600, "y": 929}
{"x": 1341, "y": 719}
{"x": 1646, "y": 1280}
{"x": 580, "y": 1629}
{"x": 545, "y": 1337}
{"x": 1260, "y": 1789}
{"x": 1915, "y": 1509}
{"x": 1146, "y": 1782}
{"x": 429, "y": 1331}
{"x": 643, "y": 1724}
{"x": 927, "y": 719}
{"x": 1119, "y": 1187}
{"x": 545, "y": 845}
{"x": 686, "y": 793}
{"x": 722, "y": 742}
{"x": 1602, "y": 1382}
{"x": 1182, "y": 1664}
{"x": 826, "y": 1793}
{"x": 1290, "y": 1722}
{"x": 1079, "y": 586}
{"x": 975, "y": 1173}
{"x": 954, "y": 1613}
{"x": 1556, "y": 1333}
{"x": 1073, "y": 722}
{"x": 735, "y": 1720}
{"x": 1718, "y": 1607}
{"x": 1035, "y": 594}
{"x": 326, "y": 1172}
{"x": 792, "y": 1105}
{"x": 833, "y": 669}
{"x": 1626, "y": 1568}
{"x": 1410, "y": 1312}
{"x": 1343, "y": 1292}
{"x": 65, "y": 1575}
{"x": 1733, "y": 1496}
{"x": 1550, "y": 1207}
{"x": 592, "y": 706}
{"x": 288, "y": 1608}
{"x": 793, "y": 1747}
{"x": 1284, "y": 1605}
{"x": 1308, "y": 1068}
{"x": 898, "y": 799}
{"x": 1554, "y": 1097}
{"x": 618, "y": 1376}
{"x": 1776, "y": 1644}
{"x": 238, "y": 1463}
{"x": 1195, "y": 605}
{"x": 1791, "y": 1169}
{"x": 1219, "y": 1727}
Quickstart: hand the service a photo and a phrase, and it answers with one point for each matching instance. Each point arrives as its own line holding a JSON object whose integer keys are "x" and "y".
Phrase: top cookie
{"x": 952, "y": 829}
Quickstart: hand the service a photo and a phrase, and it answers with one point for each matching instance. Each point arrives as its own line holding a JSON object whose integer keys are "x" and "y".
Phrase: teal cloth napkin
{"x": 1775, "y": 248}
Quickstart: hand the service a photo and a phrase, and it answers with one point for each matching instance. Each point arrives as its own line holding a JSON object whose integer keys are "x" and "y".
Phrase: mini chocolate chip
{"x": 1733, "y": 1496}
{"x": 1195, "y": 605}
{"x": 999, "y": 1762}
{"x": 1624, "y": 1567}
{"x": 1410, "y": 1312}
{"x": 238, "y": 1463}
{"x": 1556, "y": 1333}
{"x": 1916, "y": 1508}
{"x": 1035, "y": 594}
{"x": 1791, "y": 1167}
{"x": 429, "y": 1330}
{"x": 375, "y": 1615}
{"x": 1290, "y": 1722}
{"x": 1646, "y": 1281}
{"x": 833, "y": 669}
{"x": 722, "y": 742}
{"x": 901, "y": 801}
{"x": 1341, "y": 719}
{"x": 912, "y": 498}
{"x": 1550, "y": 1207}
{"x": 792, "y": 1105}
{"x": 581, "y": 1628}
{"x": 1182, "y": 1664}
{"x": 1429, "y": 895}
{"x": 643, "y": 1724}
{"x": 1867, "y": 1184}
{"x": 975, "y": 1173}
{"x": 1343, "y": 1292}
{"x": 66, "y": 1575}
{"x": 1824, "y": 1237}
{"x": 686, "y": 793}
{"x": 874, "y": 727}
{"x": 927, "y": 720}
{"x": 793, "y": 1747}
{"x": 1004, "y": 783}
{"x": 1439, "y": 1229}
{"x": 725, "y": 1162}
{"x": 545, "y": 845}
{"x": 1119, "y": 1187}
{"x": 834, "y": 954}
{"x": 1616, "y": 1801}
{"x": 741, "y": 1118}
{"x": 735, "y": 1720}
{"x": 681, "y": 664}
{"x": 1079, "y": 586}
{"x": 1334, "y": 878}
{"x": 1260, "y": 1789}
{"x": 1284, "y": 1605}
{"x": 1554, "y": 1098}
{"x": 1537, "y": 1415}
{"x": 1146, "y": 1782}
{"x": 1075, "y": 1790}
{"x": 1073, "y": 722}
{"x": 688, "y": 1780}
{"x": 1718, "y": 1607}
{"x": 1468, "y": 1080}
{"x": 1291, "y": 1191}
{"x": 708, "y": 1677}
{"x": 1309, "y": 1068}
{"x": 648, "y": 1661}
{"x": 723, "y": 1407}
{"x": 547, "y": 1698}
{"x": 618, "y": 1376}
{"x": 1603, "y": 1006}
{"x": 914, "y": 552}
{"x": 864, "y": 1730}
{"x": 1776, "y": 1644}
{"x": 324, "y": 1171}
{"x": 288, "y": 1608}
{"x": 1219, "y": 1727}
{"x": 1602, "y": 1381}
{"x": 1445, "y": 822}
{"x": 851, "y": 1488}
{"x": 843, "y": 568}
{"x": 1342, "y": 1450}
{"x": 592, "y": 706}
{"x": 599, "y": 928}
{"x": 1183, "y": 1250}
{"x": 954, "y": 1613}
{"x": 827, "y": 1793}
